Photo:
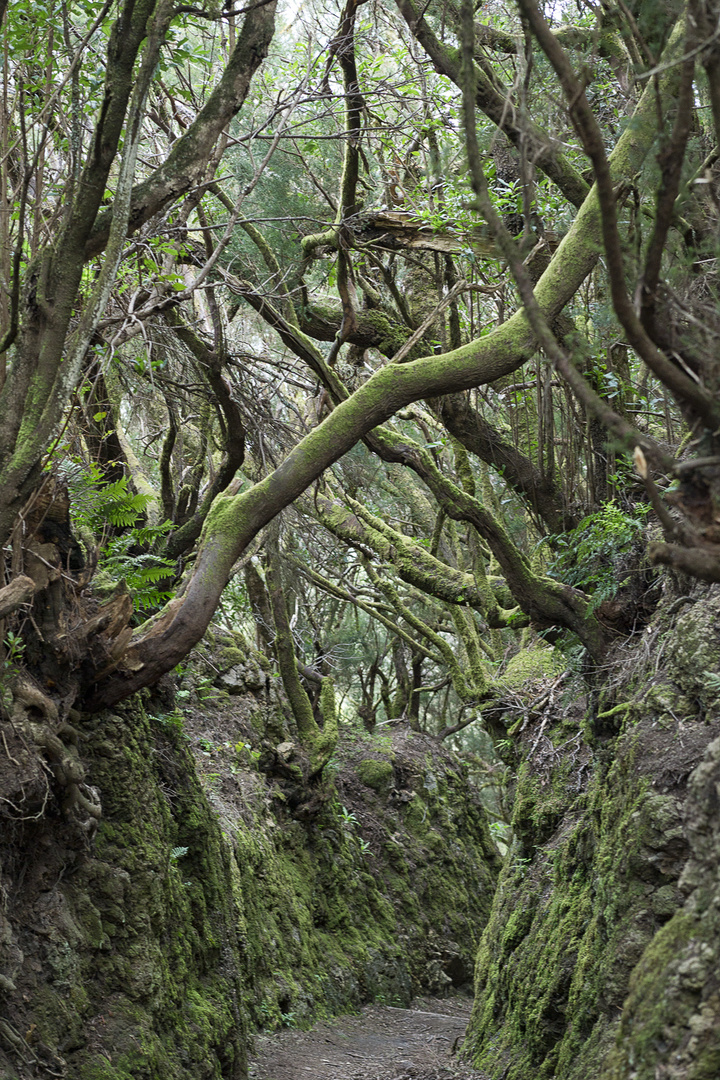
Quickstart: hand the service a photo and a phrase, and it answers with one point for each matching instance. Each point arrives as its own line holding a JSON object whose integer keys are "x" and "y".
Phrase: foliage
{"x": 97, "y": 504}
{"x": 104, "y": 508}
{"x": 590, "y": 557}
{"x": 148, "y": 577}
{"x": 11, "y": 656}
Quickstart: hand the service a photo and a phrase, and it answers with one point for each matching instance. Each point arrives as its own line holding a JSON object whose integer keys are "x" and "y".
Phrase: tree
{"x": 142, "y": 255}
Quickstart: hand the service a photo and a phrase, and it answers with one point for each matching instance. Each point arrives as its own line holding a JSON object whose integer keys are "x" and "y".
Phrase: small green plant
{"x": 246, "y": 752}
{"x": 347, "y": 817}
{"x": 173, "y": 721}
{"x": 713, "y": 681}
{"x": 589, "y": 557}
{"x": 501, "y": 834}
{"x": 13, "y": 648}
{"x": 521, "y": 864}
{"x": 206, "y": 689}
{"x": 177, "y": 853}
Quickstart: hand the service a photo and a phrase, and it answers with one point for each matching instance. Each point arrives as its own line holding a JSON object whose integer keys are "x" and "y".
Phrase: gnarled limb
{"x": 210, "y": 363}
{"x": 18, "y": 592}
{"x": 479, "y": 437}
{"x": 234, "y": 520}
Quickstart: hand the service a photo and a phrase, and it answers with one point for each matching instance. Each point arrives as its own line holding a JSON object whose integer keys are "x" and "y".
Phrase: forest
{"x": 359, "y": 422}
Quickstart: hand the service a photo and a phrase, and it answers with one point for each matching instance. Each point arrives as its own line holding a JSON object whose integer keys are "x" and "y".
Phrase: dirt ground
{"x": 380, "y": 1043}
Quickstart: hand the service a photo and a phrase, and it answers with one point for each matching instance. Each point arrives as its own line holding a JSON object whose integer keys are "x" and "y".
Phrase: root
{"x": 63, "y": 760}
{"x": 27, "y": 696}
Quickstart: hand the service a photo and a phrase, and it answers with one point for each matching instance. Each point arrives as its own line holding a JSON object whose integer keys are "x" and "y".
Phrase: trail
{"x": 380, "y": 1043}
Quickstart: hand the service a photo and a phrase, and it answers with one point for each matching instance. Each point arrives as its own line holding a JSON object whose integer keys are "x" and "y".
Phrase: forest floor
{"x": 380, "y": 1043}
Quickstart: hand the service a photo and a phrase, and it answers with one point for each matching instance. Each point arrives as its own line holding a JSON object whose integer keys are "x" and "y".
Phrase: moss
{"x": 376, "y": 774}
{"x": 416, "y": 816}
{"x": 182, "y": 932}
{"x": 572, "y": 917}
{"x": 532, "y": 665}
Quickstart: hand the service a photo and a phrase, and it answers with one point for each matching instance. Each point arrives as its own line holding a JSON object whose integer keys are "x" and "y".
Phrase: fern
{"x": 141, "y": 572}
{"x": 97, "y": 504}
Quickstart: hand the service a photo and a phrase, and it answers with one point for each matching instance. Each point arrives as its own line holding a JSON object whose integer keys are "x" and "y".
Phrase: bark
{"x": 318, "y": 742}
{"x": 284, "y": 649}
{"x": 18, "y": 592}
{"x": 700, "y": 563}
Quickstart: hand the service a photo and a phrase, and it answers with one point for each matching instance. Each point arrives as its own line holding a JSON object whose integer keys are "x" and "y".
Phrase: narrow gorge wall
{"x": 600, "y": 958}
{"x": 220, "y": 894}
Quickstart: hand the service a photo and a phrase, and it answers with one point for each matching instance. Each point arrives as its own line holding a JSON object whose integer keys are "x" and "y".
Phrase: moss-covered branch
{"x": 468, "y": 690}
{"x": 545, "y": 601}
{"x": 319, "y": 742}
{"x": 354, "y": 524}
{"x": 370, "y": 609}
{"x": 234, "y": 521}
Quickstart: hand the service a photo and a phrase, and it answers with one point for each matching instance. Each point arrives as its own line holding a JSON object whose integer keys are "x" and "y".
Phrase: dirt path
{"x": 381, "y": 1043}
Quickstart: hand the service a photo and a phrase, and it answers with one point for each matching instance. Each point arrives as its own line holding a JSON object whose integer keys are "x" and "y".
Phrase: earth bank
{"x": 600, "y": 957}
{"x": 222, "y": 895}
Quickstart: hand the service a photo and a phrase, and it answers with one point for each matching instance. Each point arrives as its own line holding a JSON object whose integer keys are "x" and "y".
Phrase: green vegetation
{"x": 358, "y": 398}
{"x": 591, "y": 556}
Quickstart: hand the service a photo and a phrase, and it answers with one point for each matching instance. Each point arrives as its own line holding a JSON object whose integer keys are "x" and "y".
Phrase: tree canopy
{"x": 389, "y": 330}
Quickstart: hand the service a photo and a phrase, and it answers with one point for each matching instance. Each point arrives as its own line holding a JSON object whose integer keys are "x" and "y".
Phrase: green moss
{"x": 574, "y": 914}
{"x": 376, "y": 774}
{"x": 532, "y": 665}
{"x": 416, "y": 816}
{"x": 170, "y": 959}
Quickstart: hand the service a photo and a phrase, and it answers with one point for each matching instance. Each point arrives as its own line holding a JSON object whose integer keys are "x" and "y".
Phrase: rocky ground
{"x": 380, "y": 1043}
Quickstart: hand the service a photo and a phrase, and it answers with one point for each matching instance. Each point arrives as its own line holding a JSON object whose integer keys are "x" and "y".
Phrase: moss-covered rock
{"x": 376, "y": 774}
{"x": 532, "y": 665}
{"x": 671, "y": 1019}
